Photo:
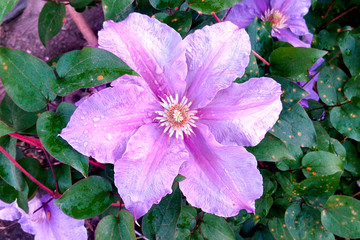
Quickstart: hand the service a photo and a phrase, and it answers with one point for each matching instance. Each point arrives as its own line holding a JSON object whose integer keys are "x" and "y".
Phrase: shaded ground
{"x": 22, "y": 33}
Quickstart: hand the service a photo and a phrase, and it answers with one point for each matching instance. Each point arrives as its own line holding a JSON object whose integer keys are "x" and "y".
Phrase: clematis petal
{"x": 292, "y": 8}
{"x": 147, "y": 169}
{"x": 220, "y": 179}
{"x": 9, "y": 212}
{"x": 243, "y": 113}
{"x": 101, "y": 126}
{"x": 298, "y": 26}
{"x": 151, "y": 48}
{"x": 50, "y": 223}
{"x": 244, "y": 13}
{"x": 216, "y": 55}
{"x": 288, "y": 36}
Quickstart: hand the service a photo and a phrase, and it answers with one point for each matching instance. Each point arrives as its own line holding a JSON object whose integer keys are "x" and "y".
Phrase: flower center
{"x": 277, "y": 18}
{"x": 176, "y": 117}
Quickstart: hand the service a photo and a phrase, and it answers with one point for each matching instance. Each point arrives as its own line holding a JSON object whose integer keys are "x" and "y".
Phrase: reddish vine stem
{"x": 52, "y": 193}
{"x": 198, "y": 223}
{"x": 216, "y": 17}
{"x": 52, "y": 169}
{"x": 38, "y": 144}
{"x": 341, "y": 15}
{"x": 28, "y": 140}
{"x": 83, "y": 26}
{"x": 330, "y": 7}
{"x": 97, "y": 164}
{"x": 260, "y": 57}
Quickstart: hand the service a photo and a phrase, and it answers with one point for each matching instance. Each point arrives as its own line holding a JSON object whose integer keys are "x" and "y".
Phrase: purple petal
{"x": 220, "y": 179}
{"x": 243, "y": 113}
{"x": 245, "y": 12}
{"x": 298, "y": 26}
{"x": 309, "y": 87}
{"x": 9, "y": 212}
{"x": 101, "y": 126}
{"x": 216, "y": 55}
{"x": 151, "y": 48}
{"x": 288, "y": 36}
{"x": 147, "y": 169}
{"x": 292, "y": 8}
{"x": 50, "y": 223}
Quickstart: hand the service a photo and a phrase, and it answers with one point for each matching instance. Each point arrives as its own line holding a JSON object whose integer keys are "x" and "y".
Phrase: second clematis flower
{"x": 286, "y": 17}
{"x": 183, "y": 114}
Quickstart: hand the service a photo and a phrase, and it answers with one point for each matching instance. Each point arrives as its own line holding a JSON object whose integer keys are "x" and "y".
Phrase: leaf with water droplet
{"x": 49, "y": 125}
{"x": 210, "y": 6}
{"x": 88, "y": 67}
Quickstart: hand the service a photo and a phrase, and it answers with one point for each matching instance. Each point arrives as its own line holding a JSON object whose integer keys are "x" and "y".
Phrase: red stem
{"x": 259, "y": 57}
{"x": 26, "y": 139}
{"x": 38, "y": 144}
{"x": 117, "y": 205}
{"x": 216, "y": 17}
{"x": 261, "y": 164}
{"x": 99, "y": 165}
{"x": 28, "y": 174}
{"x": 342, "y": 15}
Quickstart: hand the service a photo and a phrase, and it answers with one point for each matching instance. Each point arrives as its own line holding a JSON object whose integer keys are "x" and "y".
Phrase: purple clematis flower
{"x": 286, "y": 16}
{"x": 182, "y": 115}
{"x": 309, "y": 86}
{"x": 45, "y": 220}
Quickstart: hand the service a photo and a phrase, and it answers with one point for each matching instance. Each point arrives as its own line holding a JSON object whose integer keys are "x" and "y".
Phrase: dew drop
{"x": 96, "y": 119}
{"x": 348, "y": 52}
{"x": 82, "y": 117}
{"x": 86, "y": 131}
{"x": 108, "y": 136}
{"x": 85, "y": 144}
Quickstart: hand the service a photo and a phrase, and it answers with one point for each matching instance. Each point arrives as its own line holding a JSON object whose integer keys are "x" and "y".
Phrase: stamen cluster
{"x": 177, "y": 117}
{"x": 276, "y": 17}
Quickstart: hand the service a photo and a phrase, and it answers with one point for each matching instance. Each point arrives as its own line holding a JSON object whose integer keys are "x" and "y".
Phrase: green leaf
{"x": 86, "y": 198}
{"x": 210, "y": 6}
{"x": 349, "y": 43}
{"x": 341, "y": 216}
{"x": 303, "y": 223}
{"x": 5, "y": 7}
{"x": 180, "y": 21}
{"x": 63, "y": 176}
{"x": 8, "y": 171}
{"x": 88, "y": 67}
{"x": 160, "y": 222}
{"x": 326, "y": 143}
{"x": 318, "y": 186}
{"x": 49, "y": 125}
{"x": 51, "y": 19}
{"x": 279, "y": 230}
{"x": 352, "y": 160}
{"x": 80, "y": 3}
{"x": 271, "y": 149}
{"x": 32, "y": 166}
{"x": 352, "y": 88}
{"x": 116, "y": 228}
{"x": 4, "y": 129}
{"x": 295, "y": 127}
{"x": 166, "y": 4}
{"x": 260, "y": 37}
{"x": 262, "y": 208}
{"x": 291, "y": 92}
{"x": 187, "y": 218}
{"x": 22, "y": 198}
{"x": 8, "y": 194}
{"x": 112, "y": 8}
{"x": 293, "y": 63}
{"x": 321, "y": 163}
{"x": 214, "y": 227}
{"x": 26, "y": 79}
{"x": 330, "y": 85}
{"x": 345, "y": 119}
{"x": 15, "y": 117}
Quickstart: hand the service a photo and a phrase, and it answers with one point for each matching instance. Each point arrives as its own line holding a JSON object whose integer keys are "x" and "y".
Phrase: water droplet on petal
{"x": 85, "y": 144}
{"x": 96, "y": 119}
{"x": 86, "y": 131}
{"x": 108, "y": 136}
{"x": 82, "y": 117}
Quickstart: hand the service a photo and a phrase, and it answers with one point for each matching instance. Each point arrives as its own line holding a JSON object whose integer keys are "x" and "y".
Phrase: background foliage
{"x": 310, "y": 159}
